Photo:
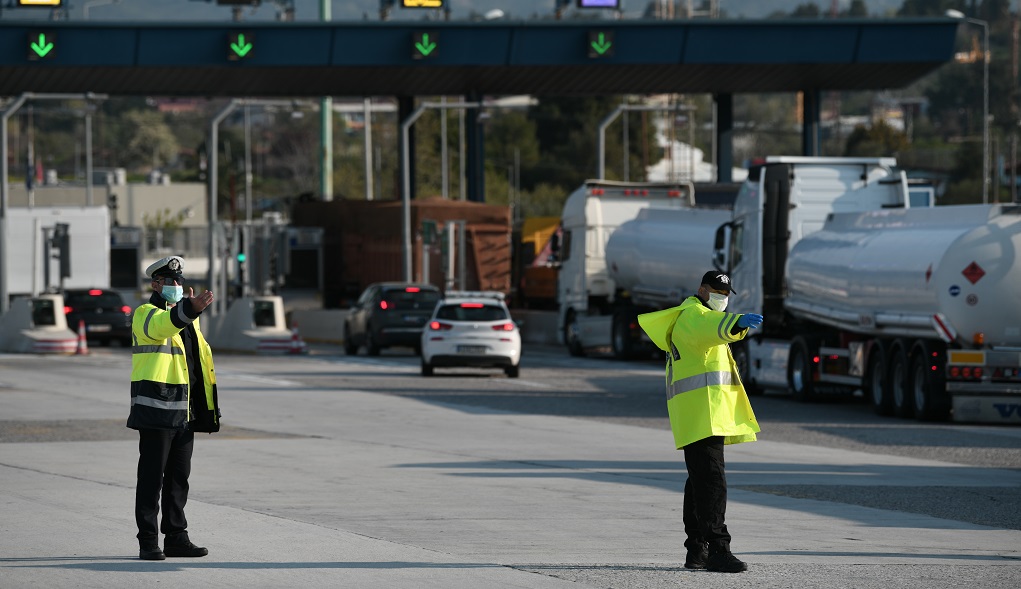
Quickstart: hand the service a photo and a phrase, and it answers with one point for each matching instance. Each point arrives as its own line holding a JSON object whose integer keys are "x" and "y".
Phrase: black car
{"x": 389, "y": 314}
{"x": 107, "y": 317}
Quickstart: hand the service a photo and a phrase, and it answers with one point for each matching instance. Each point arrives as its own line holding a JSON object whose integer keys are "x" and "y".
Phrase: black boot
{"x": 149, "y": 549}
{"x": 725, "y": 562}
{"x": 698, "y": 554}
{"x": 179, "y": 545}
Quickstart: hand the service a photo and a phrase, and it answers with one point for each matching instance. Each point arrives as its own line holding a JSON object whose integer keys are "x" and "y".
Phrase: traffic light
{"x": 62, "y": 241}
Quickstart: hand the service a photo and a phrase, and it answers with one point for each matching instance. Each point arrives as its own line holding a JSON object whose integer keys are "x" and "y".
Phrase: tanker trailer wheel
{"x": 927, "y": 381}
{"x": 876, "y": 388}
{"x": 741, "y": 358}
{"x": 898, "y": 381}
{"x": 801, "y": 368}
{"x": 623, "y": 346}
{"x": 574, "y": 346}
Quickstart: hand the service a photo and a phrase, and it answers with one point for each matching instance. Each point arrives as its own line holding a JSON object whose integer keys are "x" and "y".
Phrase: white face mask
{"x": 172, "y": 293}
{"x": 717, "y": 302}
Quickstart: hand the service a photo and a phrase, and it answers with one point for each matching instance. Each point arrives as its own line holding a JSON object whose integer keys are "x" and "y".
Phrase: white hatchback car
{"x": 471, "y": 329}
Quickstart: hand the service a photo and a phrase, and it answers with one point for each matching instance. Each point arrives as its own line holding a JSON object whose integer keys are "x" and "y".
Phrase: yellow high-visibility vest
{"x": 160, "y": 390}
{"x": 705, "y": 396}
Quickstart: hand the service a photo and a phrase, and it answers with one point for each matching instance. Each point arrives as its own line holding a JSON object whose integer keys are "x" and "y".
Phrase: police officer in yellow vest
{"x": 708, "y": 409}
{"x": 173, "y": 395}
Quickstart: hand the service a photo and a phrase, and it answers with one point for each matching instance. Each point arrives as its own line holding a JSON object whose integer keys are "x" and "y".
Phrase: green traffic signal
{"x": 241, "y": 257}
{"x": 41, "y": 45}
{"x": 240, "y": 46}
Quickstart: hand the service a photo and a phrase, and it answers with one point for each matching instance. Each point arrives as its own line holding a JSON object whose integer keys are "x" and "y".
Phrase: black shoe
{"x": 179, "y": 545}
{"x": 150, "y": 551}
{"x": 696, "y": 559}
{"x": 725, "y": 562}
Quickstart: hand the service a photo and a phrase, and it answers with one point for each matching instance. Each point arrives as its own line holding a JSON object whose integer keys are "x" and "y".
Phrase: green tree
{"x": 878, "y": 140}
{"x": 148, "y": 140}
{"x": 807, "y": 10}
{"x": 858, "y": 9}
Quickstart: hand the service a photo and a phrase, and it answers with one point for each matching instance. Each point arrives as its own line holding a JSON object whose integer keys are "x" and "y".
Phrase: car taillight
{"x": 472, "y": 305}
{"x": 412, "y": 289}
{"x": 504, "y": 327}
{"x": 126, "y": 310}
{"x": 383, "y": 305}
{"x": 67, "y": 310}
{"x": 437, "y": 326}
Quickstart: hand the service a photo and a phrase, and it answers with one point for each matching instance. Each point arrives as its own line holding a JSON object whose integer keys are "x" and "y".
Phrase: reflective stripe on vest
{"x": 726, "y": 325}
{"x": 158, "y": 404}
{"x": 164, "y": 349}
{"x": 699, "y": 381}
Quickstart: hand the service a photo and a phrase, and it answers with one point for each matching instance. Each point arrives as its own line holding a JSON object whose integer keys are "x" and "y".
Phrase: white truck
{"x": 29, "y": 259}
{"x": 618, "y": 258}
{"x": 918, "y": 307}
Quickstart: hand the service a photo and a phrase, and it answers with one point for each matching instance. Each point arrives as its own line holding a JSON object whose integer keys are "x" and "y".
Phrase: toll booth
{"x": 256, "y": 325}
{"x": 37, "y": 325}
{"x": 125, "y": 257}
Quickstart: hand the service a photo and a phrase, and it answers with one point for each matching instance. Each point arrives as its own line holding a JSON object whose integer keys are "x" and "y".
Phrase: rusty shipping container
{"x": 362, "y": 243}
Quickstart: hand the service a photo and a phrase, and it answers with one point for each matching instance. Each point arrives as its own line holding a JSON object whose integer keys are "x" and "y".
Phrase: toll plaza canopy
{"x": 470, "y": 58}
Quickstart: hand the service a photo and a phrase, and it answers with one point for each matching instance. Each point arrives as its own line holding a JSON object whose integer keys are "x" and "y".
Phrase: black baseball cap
{"x": 717, "y": 280}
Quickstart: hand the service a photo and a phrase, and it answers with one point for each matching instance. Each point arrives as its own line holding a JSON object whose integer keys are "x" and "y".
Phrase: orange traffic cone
{"x": 83, "y": 344}
{"x": 295, "y": 340}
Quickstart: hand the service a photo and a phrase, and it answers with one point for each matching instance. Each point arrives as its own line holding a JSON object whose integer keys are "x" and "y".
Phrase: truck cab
{"x": 784, "y": 199}
{"x": 590, "y": 215}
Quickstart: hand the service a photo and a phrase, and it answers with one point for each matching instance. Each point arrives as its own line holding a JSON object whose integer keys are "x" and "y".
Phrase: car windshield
{"x": 471, "y": 312}
{"x": 106, "y": 299}
{"x": 409, "y": 299}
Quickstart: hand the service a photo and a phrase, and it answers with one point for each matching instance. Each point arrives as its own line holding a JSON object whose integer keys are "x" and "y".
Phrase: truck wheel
{"x": 897, "y": 362}
{"x": 571, "y": 336}
{"x": 801, "y": 369}
{"x": 876, "y": 389}
{"x": 623, "y": 347}
{"x": 927, "y": 381}
{"x": 741, "y": 358}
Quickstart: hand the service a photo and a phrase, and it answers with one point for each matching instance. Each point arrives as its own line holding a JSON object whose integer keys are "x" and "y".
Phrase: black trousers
{"x": 705, "y": 495}
{"x": 164, "y": 463}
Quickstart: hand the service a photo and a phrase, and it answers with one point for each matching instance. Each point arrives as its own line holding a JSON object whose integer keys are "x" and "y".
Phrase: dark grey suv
{"x": 389, "y": 314}
{"x": 107, "y": 317}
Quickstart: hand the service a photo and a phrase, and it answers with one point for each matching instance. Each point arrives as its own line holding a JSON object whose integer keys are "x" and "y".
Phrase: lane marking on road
{"x": 255, "y": 378}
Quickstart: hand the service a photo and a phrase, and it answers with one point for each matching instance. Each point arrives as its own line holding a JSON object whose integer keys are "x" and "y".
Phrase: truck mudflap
{"x": 987, "y": 409}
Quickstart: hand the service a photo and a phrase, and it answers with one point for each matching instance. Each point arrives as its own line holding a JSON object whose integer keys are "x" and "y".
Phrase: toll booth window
{"x": 43, "y": 312}
{"x": 264, "y": 314}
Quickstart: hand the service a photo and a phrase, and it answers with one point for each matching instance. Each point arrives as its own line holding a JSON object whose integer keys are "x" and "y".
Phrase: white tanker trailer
{"x": 920, "y": 308}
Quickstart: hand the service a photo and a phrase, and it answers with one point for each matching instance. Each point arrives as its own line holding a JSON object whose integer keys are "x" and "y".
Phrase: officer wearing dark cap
{"x": 708, "y": 409}
{"x": 173, "y": 395}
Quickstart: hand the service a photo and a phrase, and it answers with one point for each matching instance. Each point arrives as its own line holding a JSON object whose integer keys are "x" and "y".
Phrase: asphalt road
{"x": 589, "y": 389}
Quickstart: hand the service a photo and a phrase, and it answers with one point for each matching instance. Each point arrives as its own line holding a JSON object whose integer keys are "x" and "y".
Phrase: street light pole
{"x": 957, "y": 14}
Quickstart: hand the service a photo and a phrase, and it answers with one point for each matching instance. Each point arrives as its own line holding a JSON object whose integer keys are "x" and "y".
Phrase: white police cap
{"x": 168, "y": 266}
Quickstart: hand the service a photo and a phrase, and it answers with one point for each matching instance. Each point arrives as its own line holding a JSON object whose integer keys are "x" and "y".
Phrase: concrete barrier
{"x": 325, "y": 326}
{"x": 537, "y": 327}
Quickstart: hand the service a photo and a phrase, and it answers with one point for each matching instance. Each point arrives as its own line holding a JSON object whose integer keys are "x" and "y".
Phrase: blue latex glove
{"x": 749, "y": 320}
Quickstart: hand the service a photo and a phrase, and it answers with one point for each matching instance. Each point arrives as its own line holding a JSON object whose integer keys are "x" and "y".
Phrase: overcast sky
{"x": 347, "y": 10}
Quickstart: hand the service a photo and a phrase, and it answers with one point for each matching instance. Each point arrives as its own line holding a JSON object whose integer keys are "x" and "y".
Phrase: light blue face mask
{"x": 172, "y": 293}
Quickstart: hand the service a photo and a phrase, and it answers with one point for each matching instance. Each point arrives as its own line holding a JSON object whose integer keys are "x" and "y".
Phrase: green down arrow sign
{"x": 600, "y": 44}
{"x": 41, "y": 46}
{"x": 241, "y": 45}
{"x": 425, "y": 45}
